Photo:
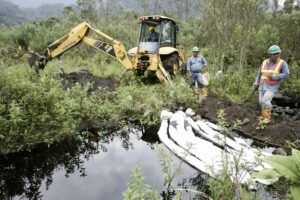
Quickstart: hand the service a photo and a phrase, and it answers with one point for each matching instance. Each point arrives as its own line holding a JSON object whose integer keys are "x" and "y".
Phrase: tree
{"x": 68, "y": 10}
{"x": 288, "y": 6}
{"x": 275, "y": 6}
{"x": 107, "y": 10}
{"x": 11, "y": 14}
{"x": 183, "y": 8}
{"x": 145, "y": 6}
{"x": 179, "y": 8}
{"x": 157, "y": 6}
{"x": 88, "y": 8}
{"x": 229, "y": 25}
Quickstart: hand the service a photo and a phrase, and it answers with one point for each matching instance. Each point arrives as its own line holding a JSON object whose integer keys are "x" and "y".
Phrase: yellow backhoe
{"x": 157, "y": 49}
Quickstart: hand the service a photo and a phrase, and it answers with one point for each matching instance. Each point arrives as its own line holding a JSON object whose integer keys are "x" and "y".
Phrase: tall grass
{"x": 37, "y": 110}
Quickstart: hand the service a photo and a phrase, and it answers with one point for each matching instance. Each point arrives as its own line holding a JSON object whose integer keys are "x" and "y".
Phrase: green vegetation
{"x": 137, "y": 189}
{"x": 287, "y": 167}
{"x": 220, "y": 187}
{"x": 36, "y": 110}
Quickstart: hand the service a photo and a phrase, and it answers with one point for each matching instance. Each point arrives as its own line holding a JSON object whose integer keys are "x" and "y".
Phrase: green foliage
{"x": 143, "y": 102}
{"x": 35, "y": 35}
{"x": 292, "y": 84}
{"x": 170, "y": 172}
{"x": 239, "y": 49}
{"x": 88, "y": 8}
{"x": 137, "y": 189}
{"x": 232, "y": 85}
{"x": 221, "y": 119}
{"x": 35, "y": 111}
{"x": 226, "y": 184}
{"x": 260, "y": 124}
{"x": 263, "y": 36}
{"x": 221, "y": 187}
{"x": 238, "y": 43}
{"x": 293, "y": 144}
{"x": 288, "y": 167}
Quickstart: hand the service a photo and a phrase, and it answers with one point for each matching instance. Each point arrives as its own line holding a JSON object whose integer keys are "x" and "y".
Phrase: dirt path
{"x": 277, "y": 132}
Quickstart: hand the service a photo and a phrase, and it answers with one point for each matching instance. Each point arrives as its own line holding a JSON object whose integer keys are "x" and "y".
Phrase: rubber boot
{"x": 266, "y": 115}
{"x": 263, "y": 114}
{"x": 204, "y": 92}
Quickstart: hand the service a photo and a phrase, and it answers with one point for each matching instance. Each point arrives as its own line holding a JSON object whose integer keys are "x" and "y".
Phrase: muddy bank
{"x": 83, "y": 77}
{"x": 285, "y": 125}
{"x": 281, "y": 129}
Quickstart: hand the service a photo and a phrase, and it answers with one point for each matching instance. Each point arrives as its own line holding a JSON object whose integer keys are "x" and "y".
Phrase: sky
{"x": 35, "y": 3}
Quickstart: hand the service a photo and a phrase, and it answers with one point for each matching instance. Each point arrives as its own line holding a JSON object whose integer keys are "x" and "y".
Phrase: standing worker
{"x": 269, "y": 76}
{"x": 196, "y": 66}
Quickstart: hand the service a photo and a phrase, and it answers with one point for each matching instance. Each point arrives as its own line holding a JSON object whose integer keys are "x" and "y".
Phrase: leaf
{"x": 284, "y": 166}
{"x": 296, "y": 156}
{"x": 295, "y": 191}
{"x": 269, "y": 174}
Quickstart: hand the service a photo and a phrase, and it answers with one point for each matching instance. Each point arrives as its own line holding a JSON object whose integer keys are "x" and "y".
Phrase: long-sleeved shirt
{"x": 195, "y": 64}
{"x": 153, "y": 37}
{"x": 284, "y": 73}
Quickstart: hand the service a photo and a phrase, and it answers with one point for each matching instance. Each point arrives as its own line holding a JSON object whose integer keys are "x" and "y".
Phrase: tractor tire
{"x": 171, "y": 63}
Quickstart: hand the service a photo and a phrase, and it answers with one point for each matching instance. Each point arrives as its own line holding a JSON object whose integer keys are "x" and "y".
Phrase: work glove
{"x": 255, "y": 85}
{"x": 274, "y": 76}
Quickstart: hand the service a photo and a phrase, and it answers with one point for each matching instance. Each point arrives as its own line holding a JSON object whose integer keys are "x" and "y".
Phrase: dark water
{"x": 87, "y": 169}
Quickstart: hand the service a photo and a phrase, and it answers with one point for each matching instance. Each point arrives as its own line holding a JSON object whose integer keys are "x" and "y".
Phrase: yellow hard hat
{"x": 151, "y": 28}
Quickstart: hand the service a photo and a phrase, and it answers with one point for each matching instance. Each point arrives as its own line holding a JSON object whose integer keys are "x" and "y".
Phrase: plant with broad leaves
{"x": 283, "y": 166}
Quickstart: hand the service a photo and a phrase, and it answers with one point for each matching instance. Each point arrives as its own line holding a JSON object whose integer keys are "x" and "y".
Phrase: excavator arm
{"x": 77, "y": 35}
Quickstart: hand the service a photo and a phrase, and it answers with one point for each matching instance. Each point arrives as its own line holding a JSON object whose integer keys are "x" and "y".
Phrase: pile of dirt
{"x": 280, "y": 130}
{"x": 84, "y": 77}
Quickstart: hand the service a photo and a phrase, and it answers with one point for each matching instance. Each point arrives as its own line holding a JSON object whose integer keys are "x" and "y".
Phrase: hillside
{"x": 35, "y": 4}
{"x": 12, "y": 14}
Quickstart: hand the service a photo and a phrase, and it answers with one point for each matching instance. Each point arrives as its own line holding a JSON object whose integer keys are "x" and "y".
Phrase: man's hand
{"x": 255, "y": 85}
{"x": 189, "y": 74}
{"x": 274, "y": 76}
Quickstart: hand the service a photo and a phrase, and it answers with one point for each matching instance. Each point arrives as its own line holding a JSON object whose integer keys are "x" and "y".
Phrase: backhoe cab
{"x": 156, "y": 50}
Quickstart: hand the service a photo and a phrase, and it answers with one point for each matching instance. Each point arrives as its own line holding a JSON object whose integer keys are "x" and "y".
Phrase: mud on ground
{"x": 281, "y": 129}
{"x": 83, "y": 77}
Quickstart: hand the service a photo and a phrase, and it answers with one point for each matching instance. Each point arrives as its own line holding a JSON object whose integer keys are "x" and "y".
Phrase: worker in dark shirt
{"x": 153, "y": 37}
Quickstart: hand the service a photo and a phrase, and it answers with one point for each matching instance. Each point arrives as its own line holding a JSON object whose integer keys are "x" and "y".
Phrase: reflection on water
{"x": 81, "y": 169}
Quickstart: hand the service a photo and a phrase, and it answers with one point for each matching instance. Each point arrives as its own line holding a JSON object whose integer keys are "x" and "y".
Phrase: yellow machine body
{"x": 163, "y": 58}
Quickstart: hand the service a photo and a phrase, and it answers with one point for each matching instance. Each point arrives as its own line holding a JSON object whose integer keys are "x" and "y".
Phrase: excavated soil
{"x": 284, "y": 126}
{"x": 83, "y": 77}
